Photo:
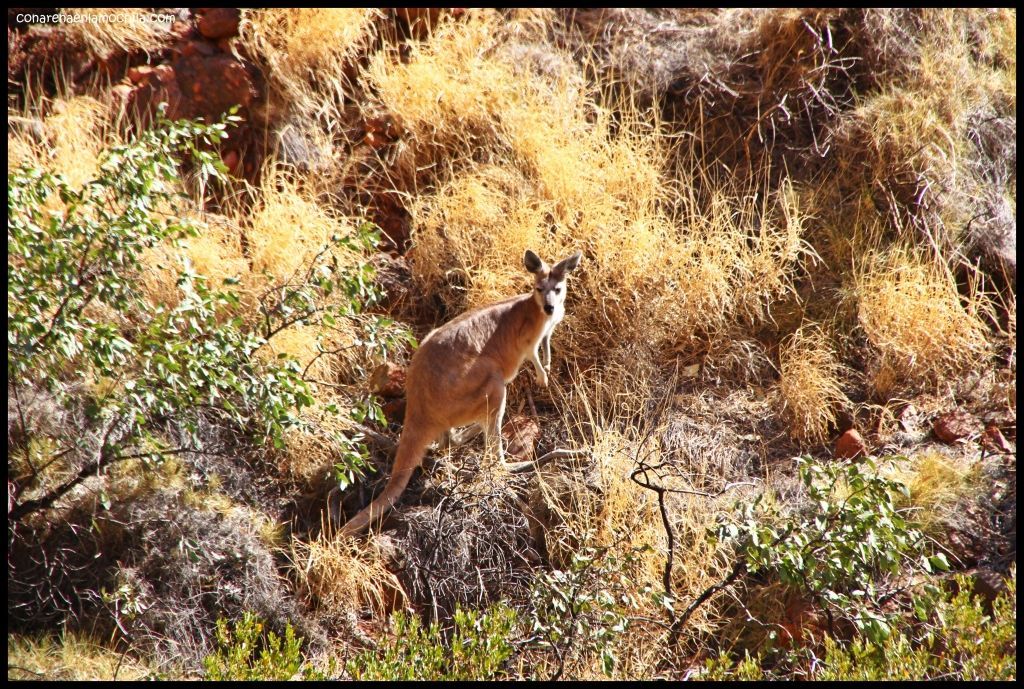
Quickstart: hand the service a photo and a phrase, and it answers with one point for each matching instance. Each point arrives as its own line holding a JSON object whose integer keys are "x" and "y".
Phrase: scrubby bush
{"x": 114, "y": 392}
{"x": 245, "y": 653}
{"x": 476, "y": 649}
{"x": 581, "y": 611}
{"x": 950, "y": 637}
{"x": 840, "y": 553}
{"x": 78, "y": 321}
{"x": 953, "y": 639}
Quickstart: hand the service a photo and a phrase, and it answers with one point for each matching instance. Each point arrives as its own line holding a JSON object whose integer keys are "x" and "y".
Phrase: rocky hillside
{"x": 786, "y": 375}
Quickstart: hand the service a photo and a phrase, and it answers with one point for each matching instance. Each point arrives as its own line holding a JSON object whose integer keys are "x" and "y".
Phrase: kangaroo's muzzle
{"x": 549, "y": 309}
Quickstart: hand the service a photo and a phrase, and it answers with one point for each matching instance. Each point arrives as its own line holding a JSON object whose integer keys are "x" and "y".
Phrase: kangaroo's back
{"x": 502, "y": 333}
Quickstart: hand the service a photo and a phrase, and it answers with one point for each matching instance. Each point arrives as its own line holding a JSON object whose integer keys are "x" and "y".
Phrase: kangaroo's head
{"x": 549, "y": 284}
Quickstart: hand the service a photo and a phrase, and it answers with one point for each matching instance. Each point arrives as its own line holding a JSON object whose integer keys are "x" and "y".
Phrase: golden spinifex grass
{"x": 71, "y": 656}
{"x": 810, "y": 383}
{"x": 310, "y": 451}
{"x": 114, "y": 29}
{"x": 912, "y": 143}
{"x": 287, "y": 226}
{"x": 215, "y": 253}
{"x": 607, "y": 510}
{"x": 939, "y": 483}
{"x": 308, "y": 54}
{"x": 920, "y": 327}
{"x": 344, "y": 578}
{"x": 511, "y": 157}
{"x": 67, "y": 138}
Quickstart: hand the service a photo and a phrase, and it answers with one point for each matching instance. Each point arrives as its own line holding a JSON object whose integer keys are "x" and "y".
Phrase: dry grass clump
{"x": 24, "y": 141}
{"x": 118, "y": 29}
{"x": 181, "y": 565}
{"x": 480, "y": 222}
{"x": 289, "y": 237}
{"x": 66, "y": 140}
{"x": 288, "y": 226}
{"x": 809, "y": 380}
{"x": 447, "y": 92}
{"x": 71, "y": 656}
{"x": 310, "y": 451}
{"x": 914, "y": 318}
{"x": 308, "y": 53}
{"x": 342, "y": 578}
{"x": 611, "y": 512}
{"x": 285, "y": 239}
{"x": 938, "y": 484}
{"x": 607, "y": 509}
{"x": 908, "y": 141}
{"x": 215, "y": 253}
{"x": 751, "y": 83}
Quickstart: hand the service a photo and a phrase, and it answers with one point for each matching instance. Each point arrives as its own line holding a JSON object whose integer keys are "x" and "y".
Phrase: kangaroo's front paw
{"x": 542, "y": 378}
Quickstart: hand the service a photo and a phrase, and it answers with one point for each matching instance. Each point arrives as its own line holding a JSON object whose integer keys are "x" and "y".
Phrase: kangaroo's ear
{"x": 533, "y": 262}
{"x": 566, "y": 265}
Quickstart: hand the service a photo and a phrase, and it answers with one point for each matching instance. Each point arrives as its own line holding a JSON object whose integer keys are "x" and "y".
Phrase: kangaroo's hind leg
{"x": 496, "y": 398}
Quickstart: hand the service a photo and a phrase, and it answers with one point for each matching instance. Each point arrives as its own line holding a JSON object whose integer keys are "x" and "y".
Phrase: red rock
{"x": 163, "y": 73}
{"x": 381, "y": 131}
{"x": 160, "y": 86}
{"x": 213, "y": 84}
{"x": 955, "y": 425}
{"x": 140, "y": 74}
{"x": 800, "y": 615}
{"x": 850, "y": 445}
{"x": 231, "y": 160}
{"x": 218, "y": 22}
{"x": 993, "y": 441}
{"x": 388, "y": 381}
{"x": 394, "y": 410}
{"x": 195, "y": 48}
{"x": 521, "y": 434}
{"x": 393, "y": 218}
{"x": 182, "y": 29}
{"x": 121, "y": 94}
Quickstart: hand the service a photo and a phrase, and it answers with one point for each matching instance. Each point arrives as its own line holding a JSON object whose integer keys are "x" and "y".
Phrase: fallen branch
{"x": 379, "y": 439}
{"x": 522, "y": 467}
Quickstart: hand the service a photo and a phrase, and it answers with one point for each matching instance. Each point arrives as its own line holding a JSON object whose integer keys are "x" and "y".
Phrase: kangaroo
{"x": 458, "y": 374}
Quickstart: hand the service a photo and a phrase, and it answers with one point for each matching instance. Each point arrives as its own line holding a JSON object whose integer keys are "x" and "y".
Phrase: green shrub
{"x": 581, "y": 611}
{"x": 476, "y": 650}
{"x": 952, "y": 638}
{"x": 838, "y": 554}
{"x": 246, "y": 653}
{"x": 79, "y": 327}
{"x": 956, "y": 640}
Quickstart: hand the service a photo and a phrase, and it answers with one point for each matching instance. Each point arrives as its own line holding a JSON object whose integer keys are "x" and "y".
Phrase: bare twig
{"x": 522, "y": 467}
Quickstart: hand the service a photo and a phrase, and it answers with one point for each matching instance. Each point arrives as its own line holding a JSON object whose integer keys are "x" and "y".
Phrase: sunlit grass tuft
{"x": 113, "y": 29}
{"x": 809, "y": 380}
{"x": 341, "y": 577}
{"x": 915, "y": 319}
{"x": 71, "y": 656}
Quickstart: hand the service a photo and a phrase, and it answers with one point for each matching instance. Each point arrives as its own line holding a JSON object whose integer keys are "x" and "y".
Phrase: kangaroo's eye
{"x": 558, "y": 290}
{"x": 540, "y": 289}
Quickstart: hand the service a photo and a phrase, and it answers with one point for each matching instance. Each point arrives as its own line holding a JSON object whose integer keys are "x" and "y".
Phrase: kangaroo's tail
{"x": 412, "y": 446}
